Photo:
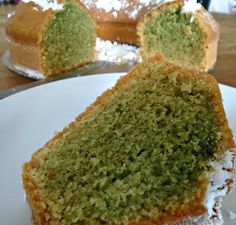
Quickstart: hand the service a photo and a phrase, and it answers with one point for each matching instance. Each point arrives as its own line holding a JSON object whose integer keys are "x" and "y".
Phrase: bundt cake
{"x": 148, "y": 151}
{"x": 51, "y": 37}
{"x": 182, "y": 32}
{"x": 117, "y": 19}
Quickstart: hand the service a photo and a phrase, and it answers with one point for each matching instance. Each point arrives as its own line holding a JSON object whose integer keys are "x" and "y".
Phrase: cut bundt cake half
{"x": 51, "y": 37}
{"x": 148, "y": 151}
{"x": 183, "y": 32}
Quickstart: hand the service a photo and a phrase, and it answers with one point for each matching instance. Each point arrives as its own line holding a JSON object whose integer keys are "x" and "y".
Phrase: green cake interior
{"x": 175, "y": 35}
{"x": 68, "y": 39}
{"x": 141, "y": 152}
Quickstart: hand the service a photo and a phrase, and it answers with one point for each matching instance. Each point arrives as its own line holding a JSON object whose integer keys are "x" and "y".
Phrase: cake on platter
{"x": 117, "y": 19}
{"x": 51, "y": 37}
{"x": 181, "y": 31}
{"x": 154, "y": 149}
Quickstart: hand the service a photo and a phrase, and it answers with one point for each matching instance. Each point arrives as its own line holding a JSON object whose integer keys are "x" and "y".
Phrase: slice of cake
{"x": 154, "y": 149}
{"x": 182, "y": 32}
{"x": 51, "y": 37}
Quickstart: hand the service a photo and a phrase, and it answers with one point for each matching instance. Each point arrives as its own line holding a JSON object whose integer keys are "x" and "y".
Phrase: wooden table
{"x": 224, "y": 71}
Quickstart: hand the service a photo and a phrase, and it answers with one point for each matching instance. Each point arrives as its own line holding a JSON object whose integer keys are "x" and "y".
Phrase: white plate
{"x": 30, "y": 118}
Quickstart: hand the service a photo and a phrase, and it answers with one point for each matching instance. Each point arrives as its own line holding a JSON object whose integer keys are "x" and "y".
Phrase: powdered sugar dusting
{"x": 109, "y": 5}
{"x": 115, "y": 52}
{"x": 46, "y": 4}
{"x": 191, "y": 6}
{"x": 130, "y": 8}
{"x": 223, "y": 172}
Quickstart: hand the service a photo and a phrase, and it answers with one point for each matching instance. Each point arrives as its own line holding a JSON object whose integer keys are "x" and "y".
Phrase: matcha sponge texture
{"x": 184, "y": 37}
{"x": 138, "y": 155}
{"x": 68, "y": 39}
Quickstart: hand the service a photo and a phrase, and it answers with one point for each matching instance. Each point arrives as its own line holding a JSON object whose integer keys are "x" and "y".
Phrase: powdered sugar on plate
{"x": 117, "y": 53}
{"x": 106, "y": 5}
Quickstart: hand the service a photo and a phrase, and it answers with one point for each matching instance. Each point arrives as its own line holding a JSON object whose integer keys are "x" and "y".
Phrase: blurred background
{"x": 223, "y": 6}
{"x": 224, "y": 11}
{"x": 220, "y": 6}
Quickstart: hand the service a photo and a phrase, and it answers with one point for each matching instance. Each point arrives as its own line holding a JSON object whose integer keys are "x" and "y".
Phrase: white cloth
{"x": 222, "y": 6}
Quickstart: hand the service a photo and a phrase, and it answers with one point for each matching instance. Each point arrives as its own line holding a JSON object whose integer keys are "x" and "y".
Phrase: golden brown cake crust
{"x": 41, "y": 214}
{"x": 205, "y": 20}
{"x": 27, "y": 29}
{"x": 27, "y": 24}
{"x": 120, "y": 32}
{"x": 22, "y": 54}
